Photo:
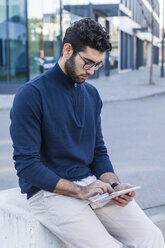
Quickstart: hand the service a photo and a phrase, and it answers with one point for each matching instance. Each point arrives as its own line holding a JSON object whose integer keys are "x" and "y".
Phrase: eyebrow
{"x": 89, "y": 60}
{"x": 92, "y": 61}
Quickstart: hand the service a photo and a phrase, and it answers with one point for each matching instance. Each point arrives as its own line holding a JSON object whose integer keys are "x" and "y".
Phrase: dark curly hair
{"x": 87, "y": 32}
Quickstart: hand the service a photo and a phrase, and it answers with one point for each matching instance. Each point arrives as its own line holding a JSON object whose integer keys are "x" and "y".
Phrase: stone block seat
{"x": 18, "y": 228}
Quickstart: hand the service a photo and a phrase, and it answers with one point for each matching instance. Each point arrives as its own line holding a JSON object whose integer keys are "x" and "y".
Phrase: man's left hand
{"x": 124, "y": 199}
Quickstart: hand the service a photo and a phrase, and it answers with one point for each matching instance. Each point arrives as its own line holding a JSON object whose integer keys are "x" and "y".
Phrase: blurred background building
{"x": 31, "y": 33}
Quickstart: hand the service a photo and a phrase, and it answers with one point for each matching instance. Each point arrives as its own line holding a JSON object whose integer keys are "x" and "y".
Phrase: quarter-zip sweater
{"x": 56, "y": 132}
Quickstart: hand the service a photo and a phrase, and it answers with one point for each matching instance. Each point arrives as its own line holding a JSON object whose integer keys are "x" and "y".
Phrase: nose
{"x": 91, "y": 70}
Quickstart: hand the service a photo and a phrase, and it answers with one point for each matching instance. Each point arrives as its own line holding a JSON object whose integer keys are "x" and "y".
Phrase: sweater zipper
{"x": 75, "y": 103}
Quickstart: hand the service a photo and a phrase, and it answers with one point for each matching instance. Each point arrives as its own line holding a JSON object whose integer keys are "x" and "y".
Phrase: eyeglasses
{"x": 88, "y": 65}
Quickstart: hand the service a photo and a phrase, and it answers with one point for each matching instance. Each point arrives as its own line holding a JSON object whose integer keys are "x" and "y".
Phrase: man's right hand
{"x": 65, "y": 187}
{"x": 97, "y": 187}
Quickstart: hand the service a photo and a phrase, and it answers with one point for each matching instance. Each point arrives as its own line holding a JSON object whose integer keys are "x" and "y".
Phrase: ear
{"x": 67, "y": 50}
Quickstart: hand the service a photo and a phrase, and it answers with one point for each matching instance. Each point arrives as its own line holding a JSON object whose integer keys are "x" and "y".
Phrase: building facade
{"x": 135, "y": 33}
{"x": 31, "y": 34}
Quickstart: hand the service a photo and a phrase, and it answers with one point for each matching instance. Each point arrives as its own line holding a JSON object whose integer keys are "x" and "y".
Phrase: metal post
{"x": 61, "y": 34}
{"x": 107, "y": 62}
{"x": 27, "y": 42}
{"x": 90, "y": 11}
{"x": 7, "y": 42}
{"x": 163, "y": 36}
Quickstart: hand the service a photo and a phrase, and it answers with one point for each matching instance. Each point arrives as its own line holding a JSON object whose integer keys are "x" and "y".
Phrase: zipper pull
{"x": 75, "y": 85}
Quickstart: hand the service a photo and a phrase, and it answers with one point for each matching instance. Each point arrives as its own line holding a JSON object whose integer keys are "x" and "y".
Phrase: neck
{"x": 61, "y": 63}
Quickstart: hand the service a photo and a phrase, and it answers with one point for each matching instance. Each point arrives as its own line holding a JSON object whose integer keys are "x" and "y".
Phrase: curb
{"x": 135, "y": 98}
{"x": 157, "y": 215}
{"x": 159, "y": 220}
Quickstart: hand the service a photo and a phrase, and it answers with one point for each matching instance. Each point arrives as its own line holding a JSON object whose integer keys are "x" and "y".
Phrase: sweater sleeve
{"x": 101, "y": 161}
{"x": 25, "y": 130}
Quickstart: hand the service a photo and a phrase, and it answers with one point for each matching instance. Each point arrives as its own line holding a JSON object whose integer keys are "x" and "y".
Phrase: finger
{"x": 104, "y": 184}
{"x": 126, "y": 197}
{"x": 109, "y": 188}
{"x": 118, "y": 203}
{"x": 99, "y": 191}
{"x": 106, "y": 188}
{"x": 131, "y": 194}
{"x": 95, "y": 191}
{"x": 121, "y": 200}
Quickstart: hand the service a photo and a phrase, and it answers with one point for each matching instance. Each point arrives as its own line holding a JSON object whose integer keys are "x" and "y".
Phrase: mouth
{"x": 84, "y": 76}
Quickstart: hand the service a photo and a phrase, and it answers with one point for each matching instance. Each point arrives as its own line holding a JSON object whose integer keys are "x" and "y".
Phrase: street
{"x": 135, "y": 137}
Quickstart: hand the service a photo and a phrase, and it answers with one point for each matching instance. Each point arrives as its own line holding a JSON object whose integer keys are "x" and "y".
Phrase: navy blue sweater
{"x": 56, "y": 132}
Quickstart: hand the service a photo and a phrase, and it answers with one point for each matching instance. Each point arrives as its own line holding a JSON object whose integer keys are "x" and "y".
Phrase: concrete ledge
{"x": 18, "y": 228}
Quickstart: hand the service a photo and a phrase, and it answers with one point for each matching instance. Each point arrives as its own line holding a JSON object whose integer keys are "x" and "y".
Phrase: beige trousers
{"x": 78, "y": 226}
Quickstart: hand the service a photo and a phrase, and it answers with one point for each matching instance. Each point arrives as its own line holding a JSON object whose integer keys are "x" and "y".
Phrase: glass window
{"x": 75, "y": 10}
{"x": 52, "y": 30}
{"x": 3, "y": 42}
{"x": 35, "y": 31}
{"x": 114, "y": 54}
{"x": 47, "y": 26}
{"x": 17, "y": 41}
{"x": 44, "y": 34}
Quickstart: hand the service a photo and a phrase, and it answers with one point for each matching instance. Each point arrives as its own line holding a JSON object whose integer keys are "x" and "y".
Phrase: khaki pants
{"x": 78, "y": 226}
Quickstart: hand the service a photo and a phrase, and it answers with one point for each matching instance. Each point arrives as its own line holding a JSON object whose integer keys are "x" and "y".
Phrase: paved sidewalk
{"x": 119, "y": 87}
{"x": 6, "y": 101}
{"x": 130, "y": 85}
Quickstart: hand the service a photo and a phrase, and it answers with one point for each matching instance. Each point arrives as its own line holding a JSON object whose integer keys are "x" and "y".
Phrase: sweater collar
{"x": 63, "y": 78}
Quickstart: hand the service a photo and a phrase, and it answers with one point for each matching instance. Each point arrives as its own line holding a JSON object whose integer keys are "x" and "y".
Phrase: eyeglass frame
{"x": 97, "y": 65}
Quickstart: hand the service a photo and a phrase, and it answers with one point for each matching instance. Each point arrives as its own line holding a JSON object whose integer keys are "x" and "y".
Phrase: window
{"x": 17, "y": 41}
{"x": 3, "y": 42}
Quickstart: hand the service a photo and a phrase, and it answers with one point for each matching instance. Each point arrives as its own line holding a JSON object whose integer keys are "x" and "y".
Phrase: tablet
{"x": 99, "y": 201}
{"x": 122, "y": 192}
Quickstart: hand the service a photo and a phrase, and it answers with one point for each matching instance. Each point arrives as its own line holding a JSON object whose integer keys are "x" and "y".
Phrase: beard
{"x": 70, "y": 68}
